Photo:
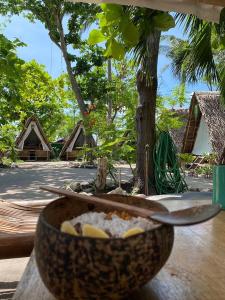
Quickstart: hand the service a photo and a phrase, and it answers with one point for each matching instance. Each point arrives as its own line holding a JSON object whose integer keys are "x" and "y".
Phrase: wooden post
{"x": 101, "y": 174}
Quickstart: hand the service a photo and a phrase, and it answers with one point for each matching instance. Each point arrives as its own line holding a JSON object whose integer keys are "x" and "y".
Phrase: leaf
{"x": 113, "y": 8}
{"x": 112, "y": 13}
{"x": 96, "y": 37}
{"x": 222, "y": 19}
{"x": 115, "y": 50}
{"x": 163, "y": 21}
{"x": 102, "y": 19}
{"x": 129, "y": 32}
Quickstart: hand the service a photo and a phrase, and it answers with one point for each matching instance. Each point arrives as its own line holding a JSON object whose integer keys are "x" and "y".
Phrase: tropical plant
{"x": 43, "y": 96}
{"x": 10, "y": 78}
{"x": 206, "y": 171}
{"x": 7, "y": 141}
{"x": 210, "y": 158}
{"x": 201, "y": 56}
{"x": 186, "y": 158}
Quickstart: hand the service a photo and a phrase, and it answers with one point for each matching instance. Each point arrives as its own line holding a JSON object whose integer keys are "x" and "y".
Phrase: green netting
{"x": 168, "y": 177}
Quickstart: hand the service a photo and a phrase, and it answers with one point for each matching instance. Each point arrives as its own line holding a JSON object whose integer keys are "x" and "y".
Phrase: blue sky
{"x": 40, "y": 48}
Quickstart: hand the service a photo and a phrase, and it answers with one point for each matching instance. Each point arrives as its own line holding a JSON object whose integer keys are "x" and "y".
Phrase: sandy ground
{"x": 200, "y": 183}
{"x": 23, "y": 184}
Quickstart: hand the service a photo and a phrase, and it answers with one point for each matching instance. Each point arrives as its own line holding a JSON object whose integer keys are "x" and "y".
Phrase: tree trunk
{"x": 101, "y": 174}
{"x": 74, "y": 84}
{"x": 75, "y": 87}
{"x": 109, "y": 114}
{"x": 145, "y": 114}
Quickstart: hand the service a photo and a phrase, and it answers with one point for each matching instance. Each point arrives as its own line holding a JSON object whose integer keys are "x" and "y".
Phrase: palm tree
{"x": 201, "y": 57}
{"x": 146, "y": 54}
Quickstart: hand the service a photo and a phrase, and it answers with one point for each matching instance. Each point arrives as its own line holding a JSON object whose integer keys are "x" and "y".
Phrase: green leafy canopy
{"x": 119, "y": 29}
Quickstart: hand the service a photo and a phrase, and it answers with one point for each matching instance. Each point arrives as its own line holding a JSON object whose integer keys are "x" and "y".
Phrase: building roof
{"x": 22, "y": 133}
{"x": 208, "y": 106}
{"x": 177, "y": 134}
{"x": 74, "y": 133}
{"x": 204, "y": 9}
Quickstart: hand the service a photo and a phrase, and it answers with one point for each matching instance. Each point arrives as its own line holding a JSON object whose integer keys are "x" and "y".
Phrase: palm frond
{"x": 191, "y": 24}
{"x": 202, "y": 61}
{"x": 194, "y": 60}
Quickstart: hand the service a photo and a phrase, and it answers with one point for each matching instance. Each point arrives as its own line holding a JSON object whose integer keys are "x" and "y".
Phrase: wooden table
{"x": 194, "y": 271}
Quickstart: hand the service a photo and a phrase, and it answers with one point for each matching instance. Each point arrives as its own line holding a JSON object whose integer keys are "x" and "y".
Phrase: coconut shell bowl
{"x": 78, "y": 267}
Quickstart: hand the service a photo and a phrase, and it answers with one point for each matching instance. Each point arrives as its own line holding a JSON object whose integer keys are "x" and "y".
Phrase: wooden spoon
{"x": 184, "y": 217}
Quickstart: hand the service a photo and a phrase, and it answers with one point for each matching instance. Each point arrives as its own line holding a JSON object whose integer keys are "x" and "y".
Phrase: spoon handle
{"x": 133, "y": 210}
{"x": 183, "y": 217}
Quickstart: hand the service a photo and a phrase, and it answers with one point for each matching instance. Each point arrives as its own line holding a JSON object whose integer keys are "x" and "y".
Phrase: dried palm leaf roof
{"x": 28, "y": 121}
{"x": 71, "y": 137}
{"x": 177, "y": 134}
{"x": 213, "y": 112}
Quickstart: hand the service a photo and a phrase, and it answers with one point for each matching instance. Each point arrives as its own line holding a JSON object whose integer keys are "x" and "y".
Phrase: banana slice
{"x": 67, "y": 227}
{"x": 91, "y": 231}
{"x": 132, "y": 231}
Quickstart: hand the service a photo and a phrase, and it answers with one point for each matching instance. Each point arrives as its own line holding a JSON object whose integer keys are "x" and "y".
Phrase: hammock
{"x": 17, "y": 227}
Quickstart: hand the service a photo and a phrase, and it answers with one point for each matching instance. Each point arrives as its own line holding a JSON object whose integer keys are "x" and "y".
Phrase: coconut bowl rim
{"x": 42, "y": 219}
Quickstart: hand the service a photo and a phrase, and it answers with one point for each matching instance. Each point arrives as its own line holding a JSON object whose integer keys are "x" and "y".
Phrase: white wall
{"x": 202, "y": 143}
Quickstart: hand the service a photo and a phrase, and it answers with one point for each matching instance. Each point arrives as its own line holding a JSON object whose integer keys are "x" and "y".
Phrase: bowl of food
{"x": 86, "y": 251}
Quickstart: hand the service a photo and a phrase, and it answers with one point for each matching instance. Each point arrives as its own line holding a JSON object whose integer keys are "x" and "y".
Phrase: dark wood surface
{"x": 194, "y": 271}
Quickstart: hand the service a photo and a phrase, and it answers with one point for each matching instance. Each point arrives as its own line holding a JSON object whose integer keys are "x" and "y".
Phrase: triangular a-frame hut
{"x": 73, "y": 146}
{"x": 32, "y": 144}
{"x": 205, "y": 130}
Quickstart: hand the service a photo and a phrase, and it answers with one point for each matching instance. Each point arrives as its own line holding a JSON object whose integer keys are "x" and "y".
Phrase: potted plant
{"x": 219, "y": 181}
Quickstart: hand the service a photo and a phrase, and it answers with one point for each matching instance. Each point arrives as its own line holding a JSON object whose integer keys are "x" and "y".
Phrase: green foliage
{"x": 210, "y": 158}
{"x": 201, "y": 56}
{"x": 6, "y": 162}
{"x": 94, "y": 86}
{"x": 163, "y": 21}
{"x": 116, "y": 135}
{"x": 10, "y": 78}
{"x": 42, "y": 96}
{"x": 166, "y": 118}
{"x": 96, "y": 37}
{"x": 122, "y": 28}
{"x": 9, "y": 61}
{"x": 56, "y": 147}
{"x": 7, "y": 141}
{"x": 186, "y": 158}
{"x": 207, "y": 170}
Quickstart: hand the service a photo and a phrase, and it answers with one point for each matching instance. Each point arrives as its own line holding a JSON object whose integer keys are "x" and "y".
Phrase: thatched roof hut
{"x": 177, "y": 134}
{"x": 32, "y": 143}
{"x": 74, "y": 144}
{"x": 205, "y": 131}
